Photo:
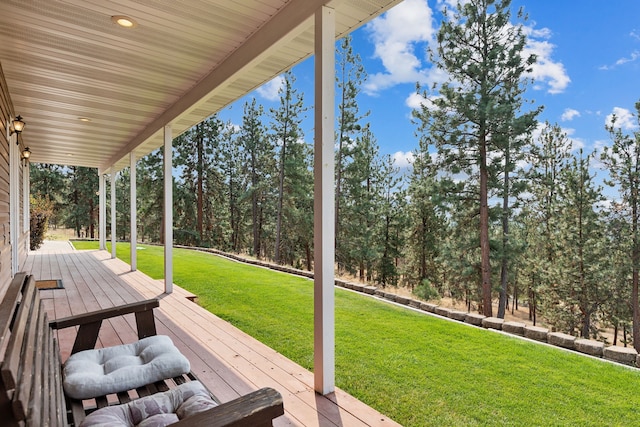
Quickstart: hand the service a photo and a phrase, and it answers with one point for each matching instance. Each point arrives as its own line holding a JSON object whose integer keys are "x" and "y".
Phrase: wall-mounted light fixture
{"x": 17, "y": 126}
{"x": 26, "y": 153}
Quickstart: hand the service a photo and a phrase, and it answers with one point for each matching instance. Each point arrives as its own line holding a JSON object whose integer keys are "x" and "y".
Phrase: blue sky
{"x": 588, "y": 68}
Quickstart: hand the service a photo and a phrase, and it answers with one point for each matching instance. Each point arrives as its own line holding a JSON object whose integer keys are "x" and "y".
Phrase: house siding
{"x": 7, "y": 111}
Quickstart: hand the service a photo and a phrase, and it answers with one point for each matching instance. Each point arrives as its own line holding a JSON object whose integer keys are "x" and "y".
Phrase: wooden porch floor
{"x": 228, "y": 361}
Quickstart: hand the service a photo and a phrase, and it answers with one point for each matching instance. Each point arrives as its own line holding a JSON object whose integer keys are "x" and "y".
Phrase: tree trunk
{"x": 505, "y": 240}
{"x": 280, "y": 198}
{"x": 254, "y": 207}
{"x": 200, "y": 178}
{"x": 485, "y": 265}
{"x": 635, "y": 257}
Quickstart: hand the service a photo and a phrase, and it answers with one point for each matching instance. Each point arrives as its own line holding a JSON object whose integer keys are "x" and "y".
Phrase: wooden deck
{"x": 228, "y": 361}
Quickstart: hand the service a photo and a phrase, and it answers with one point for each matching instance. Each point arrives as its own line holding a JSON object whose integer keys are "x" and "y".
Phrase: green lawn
{"x": 417, "y": 369}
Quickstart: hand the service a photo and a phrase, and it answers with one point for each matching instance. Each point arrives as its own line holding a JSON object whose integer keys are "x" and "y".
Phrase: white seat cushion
{"x": 98, "y": 372}
{"x": 157, "y": 410}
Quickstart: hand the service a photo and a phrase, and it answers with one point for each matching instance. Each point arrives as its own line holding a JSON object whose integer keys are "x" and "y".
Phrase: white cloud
{"x": 403, "y": 159}
{"x": 635, "y": 55}
{"x": 569, "y": 114}
{"x": 270, "y": 89}
{"x": 545, "y": 70}
{"x": 396, "y": 35}
{"x": 624, "y": 119}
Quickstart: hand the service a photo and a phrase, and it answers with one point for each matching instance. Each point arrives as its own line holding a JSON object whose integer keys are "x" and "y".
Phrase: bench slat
{"x": 39, "y": 399}
{"x": 61, "y": 407}
{"x": 12, "y": 359}
{"x": 8, "y": 308}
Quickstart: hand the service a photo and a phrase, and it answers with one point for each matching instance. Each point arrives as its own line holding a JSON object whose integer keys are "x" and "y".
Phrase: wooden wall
{"x": 7, "y": 111}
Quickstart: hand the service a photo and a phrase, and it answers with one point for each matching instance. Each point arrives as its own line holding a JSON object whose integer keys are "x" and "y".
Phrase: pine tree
{"x": 574, "y": 298}
{"x": 259, "y": 167}
{"x": 623, "y": 162}
{"x": 48, "y": 182}
{"x": 81, "y": 208}
{"x": 426, "y": 224}
{"x": 540, "y": 214}
{"x": 349, "y": 76}
{"x": 474, "y": 115}
{"x": 150, "y": 202}
{"x": 286, "y": 132}
{"x": 393, "y": 223}
{"x": 363, "y": 189}
{"x": 197, "y": 154}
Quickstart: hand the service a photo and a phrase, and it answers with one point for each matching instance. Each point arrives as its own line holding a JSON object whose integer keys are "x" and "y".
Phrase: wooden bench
{"x": 31, "y": 392}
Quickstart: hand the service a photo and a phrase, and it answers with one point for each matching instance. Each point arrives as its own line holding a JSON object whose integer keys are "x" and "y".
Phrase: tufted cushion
{"x": 158, "y": 410}
{"x": 92, "y": 373}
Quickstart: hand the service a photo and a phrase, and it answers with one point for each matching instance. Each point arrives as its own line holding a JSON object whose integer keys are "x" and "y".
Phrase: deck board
{"x": 228, "y": 361}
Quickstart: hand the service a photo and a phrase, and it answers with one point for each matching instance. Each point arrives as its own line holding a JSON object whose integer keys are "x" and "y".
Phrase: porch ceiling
{"x": 185, "y": 60}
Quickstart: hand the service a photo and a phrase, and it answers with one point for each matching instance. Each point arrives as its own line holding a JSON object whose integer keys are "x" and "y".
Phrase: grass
{"x": 417, "y": 369}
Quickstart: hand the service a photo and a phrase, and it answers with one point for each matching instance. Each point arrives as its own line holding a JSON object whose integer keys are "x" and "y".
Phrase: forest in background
{"x": 494, "y": 206}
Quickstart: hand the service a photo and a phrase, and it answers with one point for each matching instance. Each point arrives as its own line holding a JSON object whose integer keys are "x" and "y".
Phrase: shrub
{"x": 426, "y": 291}
{"x": 41, "y": 211}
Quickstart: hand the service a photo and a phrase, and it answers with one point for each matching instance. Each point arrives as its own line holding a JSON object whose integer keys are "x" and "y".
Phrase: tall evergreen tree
{"x": 476, "y": 111}
{"x": 393, "y": 223}
{"x": 286, "y": 132}
{"x": 363, "y": 190}
{"x": 48, "y": 182}
{"x": 349, "y": 76}
{"x": 82, "y": 199}
{"x": 196, "y": 152}
{"x": 623, "y": 162}
{"x": 150, "y": 177}
{"x": 574, "y": 298}
{"x": 259, "y": 168}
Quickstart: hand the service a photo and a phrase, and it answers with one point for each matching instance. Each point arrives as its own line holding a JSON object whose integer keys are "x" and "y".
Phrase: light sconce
{"x": 17, "y": 125}
{"x": 26, "y": 154}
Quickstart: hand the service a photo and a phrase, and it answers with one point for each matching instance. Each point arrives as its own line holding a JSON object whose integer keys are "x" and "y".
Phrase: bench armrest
{"x": 90, "y": 323}
{"x": 256, "y": 409}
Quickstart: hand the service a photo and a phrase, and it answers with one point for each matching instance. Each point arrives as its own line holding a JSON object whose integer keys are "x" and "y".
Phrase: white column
{"x": 102, "y": 212}
{"x": 14, "y": 206}
{"x": 113, "y": 212}
{"x": 324, "y": 206}
{"x": 168, "y": 210}
{"x": 134, "y": 223}
{"x": 26, "y": 207}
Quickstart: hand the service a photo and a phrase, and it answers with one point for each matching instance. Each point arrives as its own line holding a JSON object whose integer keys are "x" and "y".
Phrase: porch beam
{"x": 324, "y": 205}
{"x": 134, "y": 223}
{"x": 168, "y": 209}
{"x": 113, "y": 212}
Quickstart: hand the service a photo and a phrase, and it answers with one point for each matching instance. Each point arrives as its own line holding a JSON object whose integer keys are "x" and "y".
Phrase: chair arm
{"x": 90, "y": 322}
{"x": 107, "y": 313}
{"x": 256, "y": 409}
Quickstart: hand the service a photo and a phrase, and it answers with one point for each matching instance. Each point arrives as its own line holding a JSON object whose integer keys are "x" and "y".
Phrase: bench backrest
{"x": 30, "y": 375}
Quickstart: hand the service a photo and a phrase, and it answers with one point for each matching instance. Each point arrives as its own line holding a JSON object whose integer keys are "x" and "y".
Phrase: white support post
{"x": 26, "y": 205}
{"x": 134, "y": 221}
{"x": 102, "y": 212}
{"x": 324, "y": 205}
{"x": 14, "y": 207}
{"x": 168, "y": 210}
{"x": 113, "y": 212}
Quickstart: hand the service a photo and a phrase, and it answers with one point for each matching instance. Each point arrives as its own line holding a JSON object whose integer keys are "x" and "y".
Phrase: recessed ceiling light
{"x": 124, "y": 21}
{"x": 84, "y": 119}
